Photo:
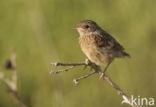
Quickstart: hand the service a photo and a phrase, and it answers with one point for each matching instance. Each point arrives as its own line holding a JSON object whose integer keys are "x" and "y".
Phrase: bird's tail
{"x": 125, "y": 54}
{"x": 122, "y": 54}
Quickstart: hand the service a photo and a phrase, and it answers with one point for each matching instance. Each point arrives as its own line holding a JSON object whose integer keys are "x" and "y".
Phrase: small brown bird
{"x": 99, "y": 46}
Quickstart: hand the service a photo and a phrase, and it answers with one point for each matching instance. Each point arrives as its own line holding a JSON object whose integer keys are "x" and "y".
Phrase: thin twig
{"x": 68, "y": 64}
{"x": 62, "y": 70}
{"x": 76, "y": 81}
{"x": 11, "y": 83}
{"x": 97, "y": 69}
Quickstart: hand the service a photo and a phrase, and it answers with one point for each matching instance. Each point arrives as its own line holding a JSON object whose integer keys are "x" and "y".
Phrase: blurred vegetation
{"x": 40, "y": 32}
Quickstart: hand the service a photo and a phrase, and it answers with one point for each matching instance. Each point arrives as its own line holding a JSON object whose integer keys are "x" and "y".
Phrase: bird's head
{"x": 87, "y": 27}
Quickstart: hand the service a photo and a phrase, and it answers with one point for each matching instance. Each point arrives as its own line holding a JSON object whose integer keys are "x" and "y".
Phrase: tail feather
{"x": 125, "y": 54}
{"x": 122, "y": 54}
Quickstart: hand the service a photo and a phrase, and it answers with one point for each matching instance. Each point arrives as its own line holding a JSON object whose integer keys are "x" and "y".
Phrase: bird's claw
{"x": 102, "y": 75}
{"x": 87, "y": 61}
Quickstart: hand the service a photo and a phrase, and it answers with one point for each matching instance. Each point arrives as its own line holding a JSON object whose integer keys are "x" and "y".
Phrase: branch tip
{"x": 75, "y": 81}
{"x": 55, "y": 63}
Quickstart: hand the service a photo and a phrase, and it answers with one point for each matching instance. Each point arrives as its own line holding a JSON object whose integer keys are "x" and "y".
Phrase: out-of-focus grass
{"x": 40, "y": 31}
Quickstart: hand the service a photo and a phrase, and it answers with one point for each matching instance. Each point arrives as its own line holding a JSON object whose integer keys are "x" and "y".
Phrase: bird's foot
{"x": 102, "y": 75}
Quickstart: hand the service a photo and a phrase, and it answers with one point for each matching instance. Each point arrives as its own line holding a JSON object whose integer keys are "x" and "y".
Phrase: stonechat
{"x": 98, "y": 45}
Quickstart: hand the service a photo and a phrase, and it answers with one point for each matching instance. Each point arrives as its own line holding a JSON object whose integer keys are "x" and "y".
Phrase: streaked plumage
{"x": 99, "y": 46}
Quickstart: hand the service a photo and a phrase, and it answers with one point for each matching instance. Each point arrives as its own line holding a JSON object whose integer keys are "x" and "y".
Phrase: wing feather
{"x": 106, "y": 41}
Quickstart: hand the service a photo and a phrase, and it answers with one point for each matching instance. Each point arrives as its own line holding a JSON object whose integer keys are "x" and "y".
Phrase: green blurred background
{"x": 41, "y": 32}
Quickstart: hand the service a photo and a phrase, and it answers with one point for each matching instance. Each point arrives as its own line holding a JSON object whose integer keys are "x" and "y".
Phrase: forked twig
{"x": 76, "y": 80}
{"x": 97, "y": 69}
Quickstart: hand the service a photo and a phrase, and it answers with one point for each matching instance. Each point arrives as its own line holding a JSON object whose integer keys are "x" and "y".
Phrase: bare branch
{"x": 68, "y": 64}
{"x": 96, "y": 69}
{"x": 76, "y": 81}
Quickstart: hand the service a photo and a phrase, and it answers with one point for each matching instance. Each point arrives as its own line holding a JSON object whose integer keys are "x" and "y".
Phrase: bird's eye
{"x": 86, "y": 26}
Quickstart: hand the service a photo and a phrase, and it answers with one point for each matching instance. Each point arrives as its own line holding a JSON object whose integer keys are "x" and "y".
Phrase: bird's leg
{"x": 105, "y": 69}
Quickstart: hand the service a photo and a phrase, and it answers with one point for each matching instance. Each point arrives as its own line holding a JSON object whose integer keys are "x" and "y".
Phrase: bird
{"x": 99, "y": 46}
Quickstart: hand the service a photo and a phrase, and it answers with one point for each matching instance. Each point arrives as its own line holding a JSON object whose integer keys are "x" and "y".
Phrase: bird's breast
{"x": 92, "y": 51}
